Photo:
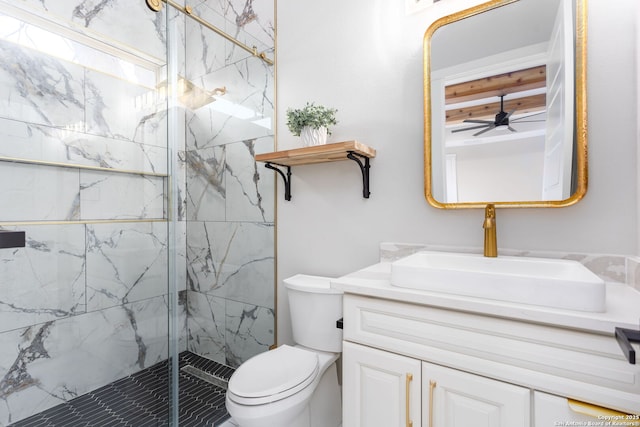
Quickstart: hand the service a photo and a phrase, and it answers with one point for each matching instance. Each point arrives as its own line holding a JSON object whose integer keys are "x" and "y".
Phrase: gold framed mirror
{"x": 505, "y": 105}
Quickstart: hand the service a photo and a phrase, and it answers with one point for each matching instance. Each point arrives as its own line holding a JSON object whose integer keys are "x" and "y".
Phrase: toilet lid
{"x": 275, "y": 372}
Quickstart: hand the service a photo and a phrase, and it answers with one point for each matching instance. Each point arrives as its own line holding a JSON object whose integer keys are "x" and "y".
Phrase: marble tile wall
{"x": 86, "y": 301}
{"x": 81, "y": 306}
{"x": 633, "y": 272}
{"x": 230, "y": 198}
{"x": 47, "y": 363}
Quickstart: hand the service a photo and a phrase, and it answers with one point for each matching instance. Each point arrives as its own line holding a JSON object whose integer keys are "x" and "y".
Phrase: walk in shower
{"x": 127, "y": 151}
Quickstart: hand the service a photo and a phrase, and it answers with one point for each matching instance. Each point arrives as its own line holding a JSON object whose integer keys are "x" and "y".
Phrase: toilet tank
{"x": 315, "y": 308}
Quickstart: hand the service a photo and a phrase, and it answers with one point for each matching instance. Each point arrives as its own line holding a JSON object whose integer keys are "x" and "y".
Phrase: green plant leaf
{"x": 312, "y": 115}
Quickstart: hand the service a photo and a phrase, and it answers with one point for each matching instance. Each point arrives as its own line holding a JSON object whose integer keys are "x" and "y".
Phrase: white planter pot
{"x": 311, "y": 136}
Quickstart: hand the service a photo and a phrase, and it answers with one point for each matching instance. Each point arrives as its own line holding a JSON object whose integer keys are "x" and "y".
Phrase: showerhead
{"x": 194, "y": 97}
{"x": 155, "y": 5}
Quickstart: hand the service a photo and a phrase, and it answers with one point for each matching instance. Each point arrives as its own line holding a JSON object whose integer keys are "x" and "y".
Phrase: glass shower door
{"x": 85, "y": 173}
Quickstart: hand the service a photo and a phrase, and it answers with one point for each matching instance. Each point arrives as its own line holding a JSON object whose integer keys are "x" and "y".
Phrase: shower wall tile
{"x": 123, "y": 110}
{"x": 250, "y": 186}
{"x": 249, "y": 331}
{"x": 32, "y": 193}
{"x": 232, "y": 260}
{"x": 180, "y": 177}
{"x": 206, "y": 325}
{"x": 235, "y": 54}
{"x": 43, "y": 281}
{"x": 178, "y": 36}
{"x": 244, "y": 112}
{"x": 228, "y": 331}
{"x": 180, "y": 247}
{"x": 35, "y": 142}
{"x": 125, "y": 263}
{"x": 226, "y": 52}
{"x": 45, "y": 364}
{"x": 39, "y": 89}
{"x": 179, "y": 167}
{"x": 181, "y": 318}
{"x": 254, "y": 18}
{"x": 201, "y": 132}
{"x": 225, "y": 121}
{"x": 214, "y": 52}
{"x": 48, "y": 91}
{"x": 203, "y": 48}
{"x": 137, "y": 27}
{"x": 251, "y": 22}
{"x": 633, "y": 272}
{"x": 106, "y": 195}
{"x": 206, "y": 192}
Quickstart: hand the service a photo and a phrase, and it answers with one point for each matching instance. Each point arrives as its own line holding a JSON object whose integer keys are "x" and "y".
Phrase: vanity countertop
{"x": 622, "y": 306}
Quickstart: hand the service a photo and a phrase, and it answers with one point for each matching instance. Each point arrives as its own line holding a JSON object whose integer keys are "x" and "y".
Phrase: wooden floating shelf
{"x": 317, "y": 154}
{"x": 352, "y": 150}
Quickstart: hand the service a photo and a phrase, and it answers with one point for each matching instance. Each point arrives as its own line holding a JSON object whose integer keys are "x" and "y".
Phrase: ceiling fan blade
{"x": 530, "y": 115}
{"x": 511, "y": 129}
{"x": 528, "y": 121}
{"x": 509, "y": 114}
{"x": 488, "y": 122}
{"x": 486, "y": 130}
{"x": 469, "y": 128}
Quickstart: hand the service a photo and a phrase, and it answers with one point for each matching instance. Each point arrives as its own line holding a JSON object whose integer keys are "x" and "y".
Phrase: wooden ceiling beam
{"x": 527, "y": 104}
{"x": 501, "y": 84}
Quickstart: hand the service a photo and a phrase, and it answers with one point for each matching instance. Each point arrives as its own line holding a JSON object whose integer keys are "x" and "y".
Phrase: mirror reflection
{"x": 504, "y": 91}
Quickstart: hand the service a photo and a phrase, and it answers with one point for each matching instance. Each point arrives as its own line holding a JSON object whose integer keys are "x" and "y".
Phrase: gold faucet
{"x": 490, "y": 239}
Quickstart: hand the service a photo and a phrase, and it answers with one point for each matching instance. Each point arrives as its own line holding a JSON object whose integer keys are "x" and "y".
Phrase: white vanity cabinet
{"x": 476, "y": 369}
{"x": 452, "y": 398}
{"x": 379, "y": 388}
{"x": 384, "y": 389}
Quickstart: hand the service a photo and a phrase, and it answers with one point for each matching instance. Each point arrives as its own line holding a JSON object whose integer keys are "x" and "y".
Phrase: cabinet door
{"x": 551, "y": 411}
{"x": 453, "y": 398}
{"x": 379, "y": 389}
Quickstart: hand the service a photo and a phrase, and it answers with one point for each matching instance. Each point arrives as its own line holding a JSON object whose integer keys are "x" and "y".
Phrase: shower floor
{"x": 141, "y": 399}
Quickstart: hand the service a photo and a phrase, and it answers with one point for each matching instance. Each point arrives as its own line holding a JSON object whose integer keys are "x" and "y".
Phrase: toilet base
{"x": 326, "y": 404}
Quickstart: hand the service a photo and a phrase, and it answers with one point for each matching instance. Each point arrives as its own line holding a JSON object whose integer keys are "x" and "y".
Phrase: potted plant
{"x": 311, "y": 123}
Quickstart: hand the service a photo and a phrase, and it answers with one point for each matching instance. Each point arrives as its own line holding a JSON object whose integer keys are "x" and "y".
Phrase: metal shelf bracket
{"x": 352, "y": 155}
{"x": 625, "y": 337}
{"x": 364, "y": 168}
{"x": 286, "y": 179}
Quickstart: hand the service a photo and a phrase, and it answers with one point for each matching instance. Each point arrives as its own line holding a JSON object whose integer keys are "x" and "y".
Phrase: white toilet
{"x": 295, "y": 386}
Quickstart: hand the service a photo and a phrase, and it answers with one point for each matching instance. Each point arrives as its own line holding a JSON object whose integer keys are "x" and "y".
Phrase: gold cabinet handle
{"x": 592, "y": 410}
{"x": 432, "y": 385}
{"x": 407, "y": 383}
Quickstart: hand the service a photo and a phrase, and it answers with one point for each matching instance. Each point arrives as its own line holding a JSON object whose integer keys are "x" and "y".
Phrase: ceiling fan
{"x": 501, "y": 121}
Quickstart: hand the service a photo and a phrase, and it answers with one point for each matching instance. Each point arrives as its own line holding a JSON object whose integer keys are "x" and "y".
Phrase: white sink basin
{"x": 536, "y": 281}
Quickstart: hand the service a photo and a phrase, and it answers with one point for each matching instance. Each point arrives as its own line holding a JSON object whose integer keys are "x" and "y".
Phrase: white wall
{"x": 364, "y": 57}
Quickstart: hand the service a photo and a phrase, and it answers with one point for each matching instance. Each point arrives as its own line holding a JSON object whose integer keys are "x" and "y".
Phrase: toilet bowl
{"x": 276, "y": 389}
{"x": 295, "y": 386}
